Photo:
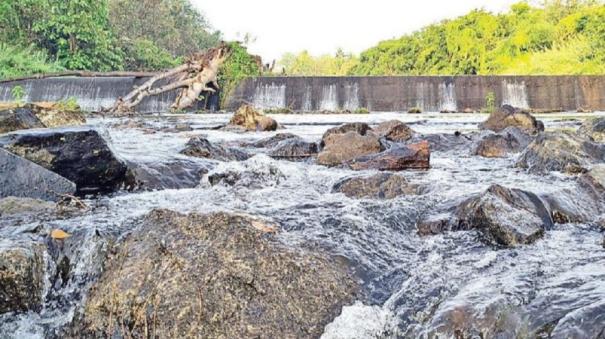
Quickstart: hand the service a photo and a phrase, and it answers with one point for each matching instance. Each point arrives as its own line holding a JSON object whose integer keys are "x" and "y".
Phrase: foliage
{"x": 69, "y": 104}
{"x": 145, "y": 55}
{"x": 16, "y": 61}
{"x": 306, "y": 64}
{"x": 490, "y": 102}
{"x": 18, "y": 93}
{"x": 239, "y": 65}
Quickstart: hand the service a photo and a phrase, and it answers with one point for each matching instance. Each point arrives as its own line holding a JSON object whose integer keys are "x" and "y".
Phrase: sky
{"x": 323, "y": 26}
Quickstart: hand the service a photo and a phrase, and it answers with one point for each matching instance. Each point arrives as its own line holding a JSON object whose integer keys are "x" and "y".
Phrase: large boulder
{"x": 441, "y": 142}
{"x": 561, "y": 151}
{"x": 360, "y": 128}
{"x": 508, "y": 217}
{"x": 508, "y": 116}
{"x": 499, "y": 145}
{"x": 294, "y": 149}
{"x": 202, "y": 148}
{"x": 79, "y": 154}
{"x": 394, "y": 130}
{"x": 213, "y": 276}
{"x": 378, "y": 186}
{"x": 171, "y": 174}
{"x": 38, "y": 115}
{"x": 250, "y": 119}
{"x": 22, "y": 178}
{"x": 341, "y": 148}
{"x": 272, "y": 141}
{"x": 22, "y": 270}
{"x": 399, "y": 158}
{"x": 594, "y": 129}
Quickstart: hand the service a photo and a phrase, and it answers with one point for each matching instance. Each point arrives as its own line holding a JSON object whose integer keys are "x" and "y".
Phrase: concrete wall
{"x": 434, "y": 93}
{"x": 335, "y": 93}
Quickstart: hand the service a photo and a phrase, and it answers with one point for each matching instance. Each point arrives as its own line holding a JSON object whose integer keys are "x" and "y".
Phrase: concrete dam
{"x": 380, "y": 94}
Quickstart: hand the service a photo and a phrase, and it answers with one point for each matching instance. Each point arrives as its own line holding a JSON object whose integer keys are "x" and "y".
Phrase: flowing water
{"x": 411, "y": 284}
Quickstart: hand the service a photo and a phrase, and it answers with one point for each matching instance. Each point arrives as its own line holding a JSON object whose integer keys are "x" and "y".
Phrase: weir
{"x": 379, "y": 94}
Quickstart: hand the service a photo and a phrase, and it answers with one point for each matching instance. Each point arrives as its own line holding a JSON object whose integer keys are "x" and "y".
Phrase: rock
{"x": 378, "y": 186}
{"x": 202, "y": 148}
{"x": 394, "y": 130}
{"x": 434, "y": 224}
{"x": 357, "y": 127}
{"x": 173, "y": 174}
{"x": 28, "y": 180}
{"x": 593, "y": 129}
{"x": 342, "y": 148}
{"x": 15, "y": 206}
{"x": 560, "y": 151}
{"x": 415, "y": 110}
{"x": 38, "y": 115}
{"x": 211, "y": 276}
{"x": 272, "y": 141}
{"x": 508, "y": 116}
{"x": 250, "y": 119}
{"x": 21, "y": 276}
{"x": 508, "y": 217}
{"x": 78, "y": 154}
{"x": 499, "y": 145}
{"x": 294, "y": 148}
{"x": 399, "y": 158}
{"x": 445, "y": 142}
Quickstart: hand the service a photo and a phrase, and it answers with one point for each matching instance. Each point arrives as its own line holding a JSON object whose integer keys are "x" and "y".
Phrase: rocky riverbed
{"x": 341, "y": 226}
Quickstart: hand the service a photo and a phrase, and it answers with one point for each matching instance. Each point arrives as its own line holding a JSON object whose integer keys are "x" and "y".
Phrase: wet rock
{"x": 22, "y": 178}
{"x": 508, "y": 116}
{"x": 255, "y": 173}
{"x": 379, "y": 186}
{"x": 202, "y": 148}
{"x": 14, "y": 206}
{"x": 560, "y": 151}
{"x": 394, "y": 130}
{"x": 434, "y": 224}
{"x": 398, "y": 158}
{"x": 38, "y": 115}
{"x": 508, "y": 217}
{"x": 216, "y": 275}
{"x": 293, "y": 149}
{"x": 445, "y": 142}
{"x": 272, "y": 141}
{"x": 78, "y": 154}
{"x": 341, "y": 148}
{"x": 357, "y": 127}
{"x": 174, "y": 174}
{"x": 499, "y": 145}
{"x": 250, "y": 119}
{"x": 593, "y": 129}
{"x": 21, "y": 276}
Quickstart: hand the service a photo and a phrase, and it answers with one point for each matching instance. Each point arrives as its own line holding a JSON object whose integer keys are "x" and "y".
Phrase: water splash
{"x": 307, "y": 104}
{"x": 515, "y": 94}
{"x": 447, "y": 95}
{"x": 351, "y": 97}
{"x": 270, "y": 96}
{"x": 329, "y": 98}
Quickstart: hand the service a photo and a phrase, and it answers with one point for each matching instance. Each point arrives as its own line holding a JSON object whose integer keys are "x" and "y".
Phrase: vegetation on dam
{"x": 558, "y": 37}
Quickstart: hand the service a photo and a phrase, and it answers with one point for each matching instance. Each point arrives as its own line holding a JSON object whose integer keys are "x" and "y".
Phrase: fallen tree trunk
{"x": 193, "y": 77}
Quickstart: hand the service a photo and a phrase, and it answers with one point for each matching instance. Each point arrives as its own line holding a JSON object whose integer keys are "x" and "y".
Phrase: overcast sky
{"x": 322, "y": 26}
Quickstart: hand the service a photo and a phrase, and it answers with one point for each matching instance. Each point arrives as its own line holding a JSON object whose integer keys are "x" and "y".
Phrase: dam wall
{"x": 390, "y": 94}
{"x": 429, "y": 93}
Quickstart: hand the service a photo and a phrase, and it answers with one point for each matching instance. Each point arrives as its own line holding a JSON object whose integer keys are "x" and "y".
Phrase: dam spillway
{"x": 378, "y": 94}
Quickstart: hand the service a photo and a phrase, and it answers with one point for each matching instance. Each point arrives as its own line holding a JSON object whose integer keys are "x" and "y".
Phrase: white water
{"x": 307, "y": 104}
{"x": 447, "y": 95}
{"x": 515, "y": 94}
{"x": 329, "y": 98}
{"x": 351, "y": 97}
{"x": 270, "y": 96}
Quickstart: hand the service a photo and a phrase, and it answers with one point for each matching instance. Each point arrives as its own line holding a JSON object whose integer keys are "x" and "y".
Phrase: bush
{"x": 238, "y": 66}
{"x": 19, "y": 61}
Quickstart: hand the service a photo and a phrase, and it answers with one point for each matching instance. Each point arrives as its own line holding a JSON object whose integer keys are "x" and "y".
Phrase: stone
{"x": 378, "y": 186}
{"x": 593, "y": 129}
{"x": 22, "y": 270}
{"x": 399, "y": 158}
{"x": 508, "y": 217}
{"x": 500, "y": 145}
{"x": 29, "y": 180}
{"x": 272, "y": 141}
{"x": 210, "y": 276}
{"x": 202, "y": 148}
{"x": 394, "y": 130}
{"x": 15, "y": 206}
{"x": 172, "y": 174}
{"x": 251, "y": 119}
{"x": 360, "y": 128}
{"x": 79, "y": 154}
{"x": 38, "y": 115}
{"x": 441, "y": 142}
{"x": 293, "y": 149}
{"x": 560, "y": 151}
{"x": 342, "y": 148}
{"x": 508, "y": 116}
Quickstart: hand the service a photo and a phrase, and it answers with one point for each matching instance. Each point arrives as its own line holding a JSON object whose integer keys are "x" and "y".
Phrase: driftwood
{"x": 193, "y": 77}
